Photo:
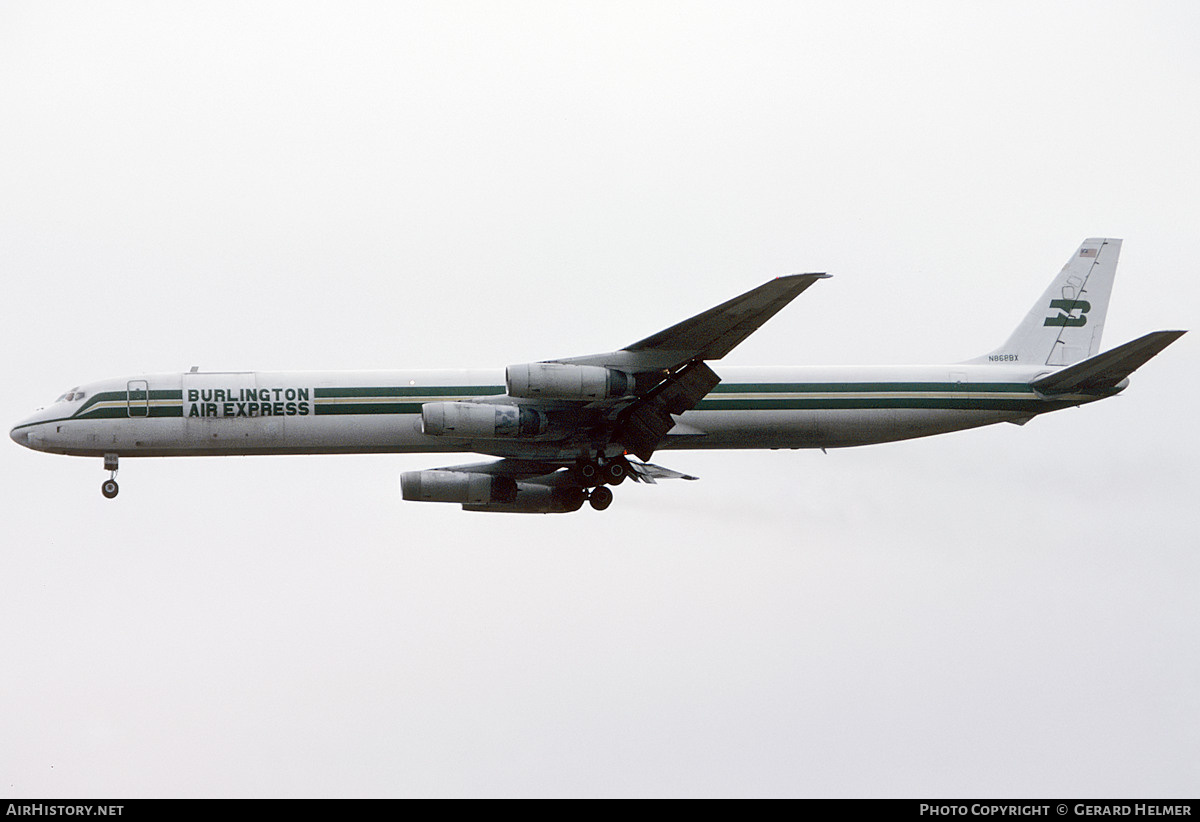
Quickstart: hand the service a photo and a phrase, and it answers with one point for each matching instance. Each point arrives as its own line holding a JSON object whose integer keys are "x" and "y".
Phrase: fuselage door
{"x": 137, "y": 397}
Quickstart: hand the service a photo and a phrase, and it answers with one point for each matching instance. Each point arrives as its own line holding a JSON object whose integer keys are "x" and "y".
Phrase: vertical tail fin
{"x": 1064, "y": 326}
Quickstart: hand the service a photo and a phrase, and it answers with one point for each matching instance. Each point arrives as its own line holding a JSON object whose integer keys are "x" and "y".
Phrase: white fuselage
{"x": 231, "y": 413}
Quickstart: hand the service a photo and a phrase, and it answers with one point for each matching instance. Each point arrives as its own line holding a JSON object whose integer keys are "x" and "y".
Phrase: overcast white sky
{"x": 1003, "y": 612}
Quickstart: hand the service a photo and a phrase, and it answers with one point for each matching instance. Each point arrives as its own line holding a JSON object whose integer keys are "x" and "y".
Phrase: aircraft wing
{"x": 709, "y": 335}
{"x": 670, "y": 375}
{"x": 584, "y": 415}
{"x": 542, "y": 472}
{"x": 518, "y": 469}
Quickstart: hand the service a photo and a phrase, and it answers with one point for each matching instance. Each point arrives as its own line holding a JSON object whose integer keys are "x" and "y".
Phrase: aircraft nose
{"x": 26, "y": 433}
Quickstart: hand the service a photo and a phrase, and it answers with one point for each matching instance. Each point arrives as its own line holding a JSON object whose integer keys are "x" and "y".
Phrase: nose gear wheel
{"x": 109, "y": 487}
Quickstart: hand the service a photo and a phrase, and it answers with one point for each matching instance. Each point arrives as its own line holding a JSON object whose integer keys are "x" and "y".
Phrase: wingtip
{"x": 817, "y": 275}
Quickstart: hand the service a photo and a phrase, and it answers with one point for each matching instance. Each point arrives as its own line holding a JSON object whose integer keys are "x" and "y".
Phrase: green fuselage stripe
{"x": 407, "y": 399}
{"x": 870, "y": 387}
{"x": 410, "y": 391}
{"x": 848, "y": 403}
{"x": 731, "y": 397}
{"x": 368, "y": 408}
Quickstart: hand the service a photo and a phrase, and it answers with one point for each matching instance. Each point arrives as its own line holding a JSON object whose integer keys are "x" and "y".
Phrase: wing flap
{"x": 645, "y": 472}
{"x": 648, "y": 420}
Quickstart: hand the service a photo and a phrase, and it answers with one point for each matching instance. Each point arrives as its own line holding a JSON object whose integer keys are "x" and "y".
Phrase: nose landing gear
{"x": 109, "y": 487}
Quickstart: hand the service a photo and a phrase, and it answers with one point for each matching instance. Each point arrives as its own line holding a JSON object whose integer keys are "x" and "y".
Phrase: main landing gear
{"x": 598, "y": 475}
{"x": 109, "y": 487}
{"x": 600, "y": 497}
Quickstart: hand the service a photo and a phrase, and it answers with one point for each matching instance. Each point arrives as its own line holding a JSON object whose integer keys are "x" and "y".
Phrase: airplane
{"x": 567, "y": 430}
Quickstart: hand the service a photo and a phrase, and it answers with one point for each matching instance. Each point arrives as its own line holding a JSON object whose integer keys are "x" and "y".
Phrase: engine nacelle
{"x": 455, "y": 486}
{"x": 485, "y": 492}
{"x": 475, "y": 420}
{"x": 564, "y": 381}
{"x": 535, "y": 499}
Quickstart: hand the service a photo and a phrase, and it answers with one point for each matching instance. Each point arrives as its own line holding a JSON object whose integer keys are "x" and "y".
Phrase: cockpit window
{"x": 71, "y": 396}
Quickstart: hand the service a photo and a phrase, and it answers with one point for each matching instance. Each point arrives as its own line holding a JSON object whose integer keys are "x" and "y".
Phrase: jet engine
{"x": 564, "y": 381}
{"x": 446, "y": 486}
{"x": 474, "y": 420}
{"x": 535, "y": 499}
{"x": 486, "y": 492}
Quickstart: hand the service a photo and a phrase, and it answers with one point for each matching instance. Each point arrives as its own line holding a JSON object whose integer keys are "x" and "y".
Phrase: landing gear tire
{"x": 614, "y": 473}
{"x": 600, "y": 498}
{"x": 109, "y": 488}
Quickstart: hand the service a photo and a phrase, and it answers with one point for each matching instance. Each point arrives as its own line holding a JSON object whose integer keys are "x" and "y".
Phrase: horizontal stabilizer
{"x": 1104, "y": 371}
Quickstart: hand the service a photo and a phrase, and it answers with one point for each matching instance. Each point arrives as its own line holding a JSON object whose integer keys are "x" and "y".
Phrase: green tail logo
{"x": 1066, "y": 307}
